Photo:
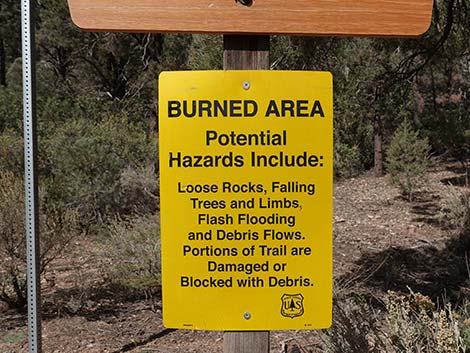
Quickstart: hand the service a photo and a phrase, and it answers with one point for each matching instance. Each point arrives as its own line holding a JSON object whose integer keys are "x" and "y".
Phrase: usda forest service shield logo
{"x": 292, "y": 305}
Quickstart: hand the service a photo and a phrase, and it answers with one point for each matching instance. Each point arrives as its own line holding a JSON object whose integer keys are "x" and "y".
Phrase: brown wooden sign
{"x": 309, "y": 17}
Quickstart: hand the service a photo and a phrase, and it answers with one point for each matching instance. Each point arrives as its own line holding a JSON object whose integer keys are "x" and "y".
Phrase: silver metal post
{"x": 31, "y": 185}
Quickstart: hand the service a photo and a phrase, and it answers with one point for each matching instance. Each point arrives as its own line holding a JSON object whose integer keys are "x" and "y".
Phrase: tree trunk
{"x": 378, "y": 147}
{"x": 3, "y": 68}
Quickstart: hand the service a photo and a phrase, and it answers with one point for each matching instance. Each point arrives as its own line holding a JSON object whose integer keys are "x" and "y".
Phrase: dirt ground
{"x": 381, "y": 242}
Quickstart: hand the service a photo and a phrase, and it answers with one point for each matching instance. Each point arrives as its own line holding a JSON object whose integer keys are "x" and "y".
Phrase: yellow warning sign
{"x": 246, "y": 199}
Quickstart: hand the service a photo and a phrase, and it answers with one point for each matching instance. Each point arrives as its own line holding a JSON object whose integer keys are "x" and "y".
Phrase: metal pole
{"x": 30, "y": 173}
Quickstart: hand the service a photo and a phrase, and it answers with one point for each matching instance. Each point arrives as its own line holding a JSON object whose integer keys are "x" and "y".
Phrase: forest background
{"x": 98, "y": 127}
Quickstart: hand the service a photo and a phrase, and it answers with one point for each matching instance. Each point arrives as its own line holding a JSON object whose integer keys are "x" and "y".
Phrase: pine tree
{"x": 407, "y": 158}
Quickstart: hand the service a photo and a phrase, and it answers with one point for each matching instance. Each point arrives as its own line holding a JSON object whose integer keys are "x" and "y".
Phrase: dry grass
{"x": 407, "y": 324}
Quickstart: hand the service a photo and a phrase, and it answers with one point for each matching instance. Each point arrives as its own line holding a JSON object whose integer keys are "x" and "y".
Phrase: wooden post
{"x": 246, "y": 53}
{"x": 246, "y": 342}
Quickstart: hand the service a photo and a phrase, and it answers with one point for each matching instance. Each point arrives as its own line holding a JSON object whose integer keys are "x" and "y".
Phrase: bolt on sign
{"x": 309, "y": 17}
{"x": 246, "y": 199}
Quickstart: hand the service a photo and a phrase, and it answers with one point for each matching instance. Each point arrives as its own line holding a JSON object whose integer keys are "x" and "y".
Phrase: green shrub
{"x": 415, "y": 325}
{"x": 56, "y": 230}
{"x": 139, "y": 191}
{"x": 85, "y": 161}
{"x": 57, "y": 108}
{"x": 11, "y": 110}
{"x": 206, "y": 52}
{"x": 133, "y": 250}
{"x": 347, "y": 161}
{"x": 407, "y": 159}
{"x": 11, "y": 152}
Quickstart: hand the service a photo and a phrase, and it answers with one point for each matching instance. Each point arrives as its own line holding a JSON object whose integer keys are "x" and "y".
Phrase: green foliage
{"x": 347, "y": 160}
{"x": 444, "y": 113}
{"x": 88, "y": 144}
{"x": 57, "y": 109}
{"x": 11, "y": 110}
{"x": 56, "y": 229}
{"x": 85, "y": 161}
{"x": 175, "y": 51}
{"x": 9, "y": 36}
{"x": 133, "y": 250}
{"x": 11, "y": 153}
{"x": 59, "y": 40}
{"x": 361, "y": 95}
{"x": 441, "y": 87}
{"x": 303, "y": 53}
{"x": 16, "y": 337}
{"x": 407, "y": 158}
{"x": 139, "y": 190}
{"x": 206, "y": 52}
{"x": 465, "y": 334}
{"x": 112, "y": 62}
